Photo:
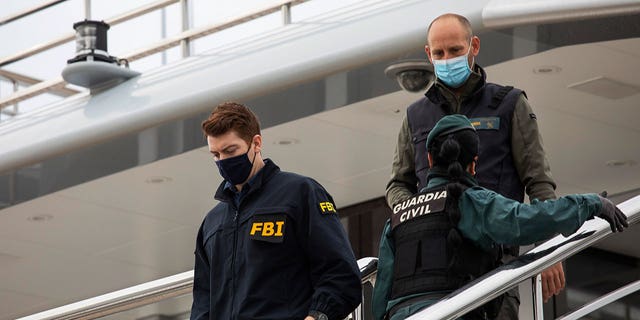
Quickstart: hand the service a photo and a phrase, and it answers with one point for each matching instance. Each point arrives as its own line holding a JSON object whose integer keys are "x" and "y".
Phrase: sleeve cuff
{"x": 325, "y": 307}
{"x": 317, "y": 315}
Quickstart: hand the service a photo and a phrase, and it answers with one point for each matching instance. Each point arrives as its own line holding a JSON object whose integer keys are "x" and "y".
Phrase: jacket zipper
{"x": 233, "y": 261}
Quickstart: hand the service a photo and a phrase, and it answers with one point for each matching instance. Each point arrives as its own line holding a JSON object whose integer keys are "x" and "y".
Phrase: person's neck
{"x": 458, "y": 91}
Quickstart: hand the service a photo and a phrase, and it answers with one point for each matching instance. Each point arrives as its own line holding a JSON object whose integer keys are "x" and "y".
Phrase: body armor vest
{"x": 430, "y": 253}
{"x": 490, "y": 110}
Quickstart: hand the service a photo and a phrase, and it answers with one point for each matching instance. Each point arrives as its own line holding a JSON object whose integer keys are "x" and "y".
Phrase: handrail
{"x": 21, "y": 78}
{"x": 164, "y": 44}
{"x": 526, "y": 266}
{"x": 57, "y": 84}
{"x": 368, "y": 268}
{"x": 147, "y": 293}
{"x": 368, "y": 272}
{"x": 603, "y": 301}
{"x": 71, "y": 35}
{"x": 452, "y": 306}
{"x": 32, "y": 91}
{"x": 197, "y": 33}
{"x": 29, "y": 11}
{"x": 121, "y": 300}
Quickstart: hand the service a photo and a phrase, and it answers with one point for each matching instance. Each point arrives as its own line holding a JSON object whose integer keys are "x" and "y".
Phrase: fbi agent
{"x": 274, "y": 247}
{"x": 423, "y": 257}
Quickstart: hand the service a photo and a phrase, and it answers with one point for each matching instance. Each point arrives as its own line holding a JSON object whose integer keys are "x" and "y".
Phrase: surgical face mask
{"x": 455, "y": 71}
{"x": 236, "y": 169}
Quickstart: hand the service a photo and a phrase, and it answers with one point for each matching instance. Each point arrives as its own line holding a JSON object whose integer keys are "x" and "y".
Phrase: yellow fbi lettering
{"x": 327, "y": 207}
{"x": 267, "y": 228}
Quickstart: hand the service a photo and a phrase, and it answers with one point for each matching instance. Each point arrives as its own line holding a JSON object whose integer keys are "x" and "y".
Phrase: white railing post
{"x": 185, "y": 44}
{"x": 286, "y": 13}
{"x": 87, "y": 9}
{"x": 163, "y": 33}
{"x": 536, "y": 286}
{"x": 16, "y": 86}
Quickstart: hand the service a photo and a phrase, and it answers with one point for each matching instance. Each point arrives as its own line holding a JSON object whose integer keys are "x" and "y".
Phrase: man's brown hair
{"x": 232, "y": 116}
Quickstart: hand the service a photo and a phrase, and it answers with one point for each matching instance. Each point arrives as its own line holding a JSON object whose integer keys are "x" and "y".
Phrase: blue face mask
{"x": 236, "y": 169}
{"x": 453, "y": 72}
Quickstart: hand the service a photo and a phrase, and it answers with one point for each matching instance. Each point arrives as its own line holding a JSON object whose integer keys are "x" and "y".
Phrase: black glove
{"x": 609, "y": 212}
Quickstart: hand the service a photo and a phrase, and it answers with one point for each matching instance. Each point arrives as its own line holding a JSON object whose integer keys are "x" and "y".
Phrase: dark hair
{"x": 232, "y": 116}
{"x": 461, "y": 19}
{"x": 454, "y": 152}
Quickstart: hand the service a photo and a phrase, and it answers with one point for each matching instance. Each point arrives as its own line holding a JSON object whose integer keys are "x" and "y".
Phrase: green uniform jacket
{"x": 489, "y": 219}
{"x": 526, "y": 144}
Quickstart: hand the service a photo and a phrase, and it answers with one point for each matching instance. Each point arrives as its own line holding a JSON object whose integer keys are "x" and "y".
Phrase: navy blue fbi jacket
{"x": 280, "y": 254}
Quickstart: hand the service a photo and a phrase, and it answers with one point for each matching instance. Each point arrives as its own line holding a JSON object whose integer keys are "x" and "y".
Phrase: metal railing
{"x": 603, "y": 301}
{"x": 71, "y": 35}
{"x": 155, "y": 291}
{"x": 368, "y": 271}
{"x": 525, "y": 267}
{"x": 122, "y": 300}
{"x": 458, "y": 303}
{"x": 183, "y": 39}
{"x": 17, "y": 78}
{"x": 29, "y": 11}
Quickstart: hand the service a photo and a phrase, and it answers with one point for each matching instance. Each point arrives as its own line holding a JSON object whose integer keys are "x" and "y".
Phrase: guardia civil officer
{"x": 513, "y": 157}
{"x": 447, "y": 235}
{"x": 274, "y": 247}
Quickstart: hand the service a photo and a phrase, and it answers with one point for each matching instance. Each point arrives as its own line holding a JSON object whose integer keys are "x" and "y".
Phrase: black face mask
{"x": 236, "y": 169}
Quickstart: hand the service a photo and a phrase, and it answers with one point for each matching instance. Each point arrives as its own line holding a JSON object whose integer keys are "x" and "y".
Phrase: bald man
{"x": 513, "y": 157}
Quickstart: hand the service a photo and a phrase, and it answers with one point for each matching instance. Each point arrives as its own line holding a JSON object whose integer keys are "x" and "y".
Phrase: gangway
{"x": 525, "y": 268}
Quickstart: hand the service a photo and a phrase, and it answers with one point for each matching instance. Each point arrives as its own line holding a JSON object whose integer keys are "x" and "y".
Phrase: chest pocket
{"x": 268, "y": 224}
{"x": 268, "y": 238}
{"x": 268, "y": 227}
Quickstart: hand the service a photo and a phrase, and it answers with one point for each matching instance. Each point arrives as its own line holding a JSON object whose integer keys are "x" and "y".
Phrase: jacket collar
{"x": 438, "y": 92}
{"x": 261, "y": 177}
{"x": 438, "y": 176}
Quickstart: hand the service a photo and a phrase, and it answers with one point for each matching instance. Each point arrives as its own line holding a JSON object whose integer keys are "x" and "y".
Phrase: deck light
{"x": 91, "y": 42}
{"x": 93, "y": 67}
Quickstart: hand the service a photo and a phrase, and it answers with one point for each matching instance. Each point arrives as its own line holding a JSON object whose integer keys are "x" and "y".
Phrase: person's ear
{"x": 475, "y": 46}
{"x": 257, "y": 141}
{"x": 430, "y": 159}
{"x": 472, "y": 166}
{"x": 426, "y": 49}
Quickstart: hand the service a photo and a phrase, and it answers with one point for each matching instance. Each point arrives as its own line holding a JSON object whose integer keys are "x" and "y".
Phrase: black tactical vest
{"x": 430, "y": 253}
{"x": 490, "y": 110}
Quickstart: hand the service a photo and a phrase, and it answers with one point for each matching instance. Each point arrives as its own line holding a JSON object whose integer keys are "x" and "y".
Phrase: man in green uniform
{"x": 428, "y": 244}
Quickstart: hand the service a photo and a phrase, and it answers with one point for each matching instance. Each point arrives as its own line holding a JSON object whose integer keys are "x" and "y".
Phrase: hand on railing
{"x": 609, "y": 212}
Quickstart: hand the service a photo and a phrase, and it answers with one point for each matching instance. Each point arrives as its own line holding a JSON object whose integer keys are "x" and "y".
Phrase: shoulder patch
{"x": 327, "y": 207}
